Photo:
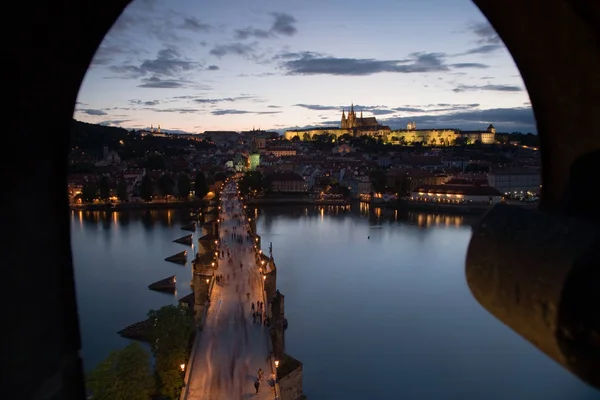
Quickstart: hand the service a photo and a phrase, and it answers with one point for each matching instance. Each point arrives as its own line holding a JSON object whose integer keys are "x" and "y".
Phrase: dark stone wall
{"x": 555, "y": 45}
{"x": 271, "y": 284}
{"x": 539, "y": 275}
{"x": 290, "y": 386}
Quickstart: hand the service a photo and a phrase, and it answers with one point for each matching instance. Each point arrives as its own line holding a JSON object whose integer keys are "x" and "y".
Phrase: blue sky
{"x": 193, "y": 66}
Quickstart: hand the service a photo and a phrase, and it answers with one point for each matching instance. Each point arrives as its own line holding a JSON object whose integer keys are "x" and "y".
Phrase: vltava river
{"x": 377, "y": 303}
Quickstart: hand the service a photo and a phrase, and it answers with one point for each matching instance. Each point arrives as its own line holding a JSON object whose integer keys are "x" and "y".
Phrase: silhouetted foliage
{"x": 170, "y": 337}
{"x": 252, "y": 181}
{"x": 219, "y": 176}
{"x": 377, "y": 177}
{"x": 124, "y": 375}
{"x": 89, "y": 192}
{"x": 526, "y": 139}
{"x": 146, "y": 188}
{"x": 346, "y": 137}
{"x": 81, "y": 167}
{"x": 104, "y": 188}
{"x": 200, "y": 186}
{"x": 122, "y": 192}
{"x": 184, "y": 185}
{"x": 166, "y": 185}
{"x": 91, "y": 139}
{"x": 155, "y": 162}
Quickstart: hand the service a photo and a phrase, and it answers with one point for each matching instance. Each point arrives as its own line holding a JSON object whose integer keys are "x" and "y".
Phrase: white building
{"x": 516, "y": 180}
{"x": 456, "y": 194}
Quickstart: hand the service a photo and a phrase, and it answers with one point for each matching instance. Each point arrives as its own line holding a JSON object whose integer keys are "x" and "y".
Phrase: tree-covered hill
{"x": 92, "y": 138}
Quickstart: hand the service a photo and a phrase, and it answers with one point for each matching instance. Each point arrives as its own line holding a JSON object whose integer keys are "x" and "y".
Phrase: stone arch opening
{"x": 554, "y": 44}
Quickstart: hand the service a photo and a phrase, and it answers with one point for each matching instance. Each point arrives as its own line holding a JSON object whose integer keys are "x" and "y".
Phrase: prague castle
{"x": 350, "y": 125}
{"x": 440, "y": 137}
{"x": 359, "y": 126}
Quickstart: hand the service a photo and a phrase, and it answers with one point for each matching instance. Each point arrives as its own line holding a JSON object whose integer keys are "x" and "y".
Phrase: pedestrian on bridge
{"x": 257, "y": 385}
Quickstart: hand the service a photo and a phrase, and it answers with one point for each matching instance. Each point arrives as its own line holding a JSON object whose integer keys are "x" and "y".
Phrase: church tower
{"x": 343, "y": 119}
{"x": 351, "y": 117}
{"x": 254, "y": 155}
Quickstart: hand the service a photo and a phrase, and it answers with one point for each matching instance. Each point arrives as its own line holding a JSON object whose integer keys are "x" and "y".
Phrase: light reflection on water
{"x": 377, "y": 302}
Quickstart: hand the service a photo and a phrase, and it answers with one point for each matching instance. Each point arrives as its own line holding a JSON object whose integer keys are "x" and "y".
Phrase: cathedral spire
{"x": 352, "y": 108}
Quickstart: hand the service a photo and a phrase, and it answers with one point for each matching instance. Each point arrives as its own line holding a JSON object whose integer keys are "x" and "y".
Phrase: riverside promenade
{"x": 231, "y": 348}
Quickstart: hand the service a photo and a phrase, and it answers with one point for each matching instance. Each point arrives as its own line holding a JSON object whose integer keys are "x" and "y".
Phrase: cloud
{"x": 317, "y": 107}
{"x": 440, "y": 107}
{"x": 148, "y": 103}
{"x": 494, "y": 88}
{"x": 212, "y": 68}
{"x": 309, "y": 63}
{"x": 230, "y": 112}
{"x": 109, "y": 50}
{"x": 504, "y": 119}
{"x": 90, "y": 111}
{"x": 223, "y": 99}
{"x": 485, "y": 33}
{"x": 487, "y": 40}
{"x": 158, "y": 83}
{"x": 238, "y": 112}
{"x": 173, "y": 110}
{"x": 114, "y": 122}
{"x": 194, "y": 25}
{"x": 240, "y": 49}
{"x": 470, "y": 65}
{"x": 168, "y": 62}
{"x": 283, "y": 24}
{"x": 274, "y": 106}
{"x": 384, "y": 110}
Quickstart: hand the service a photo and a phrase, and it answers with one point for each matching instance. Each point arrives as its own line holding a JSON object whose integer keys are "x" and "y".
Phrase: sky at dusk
{"x": 194, "y": 66}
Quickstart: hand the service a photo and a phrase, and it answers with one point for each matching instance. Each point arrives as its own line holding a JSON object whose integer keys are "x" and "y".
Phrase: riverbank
{"x": 459, "y": 209}
{"x": 142, "y": 205}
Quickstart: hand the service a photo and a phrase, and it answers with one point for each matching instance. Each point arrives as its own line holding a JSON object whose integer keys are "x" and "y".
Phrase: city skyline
{"x": 236, "y": 65}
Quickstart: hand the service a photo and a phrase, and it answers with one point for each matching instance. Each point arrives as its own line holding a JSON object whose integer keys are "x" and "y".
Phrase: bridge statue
{"x": 271, "y": 250}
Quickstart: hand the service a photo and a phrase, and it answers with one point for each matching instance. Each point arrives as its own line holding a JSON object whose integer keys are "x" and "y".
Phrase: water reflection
{"x": 396, "y": 305}
{"x": 116, "y": 219}
{"x": 376, "y": 215}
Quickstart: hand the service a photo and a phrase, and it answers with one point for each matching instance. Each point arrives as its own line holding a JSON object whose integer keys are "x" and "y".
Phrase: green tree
{"x": 200, "y": 186}
{"x": 124, "y": 375}
{"x": 346, "y": 137}
{"x": 252, "y": 181}
{"x": 155, "y": 162}
{"x": 104, "y": 188}
{"x": 184, "y": 186}
{"x": 377, "y": 177}
{"x": 170, "y": 337}
{"x": 146, "y": 188}
{"x": 166, "y": 185}
{"x": 306, "y": 137}
{"x": 122, "y": 191}
{"x": 89, "y": 191}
